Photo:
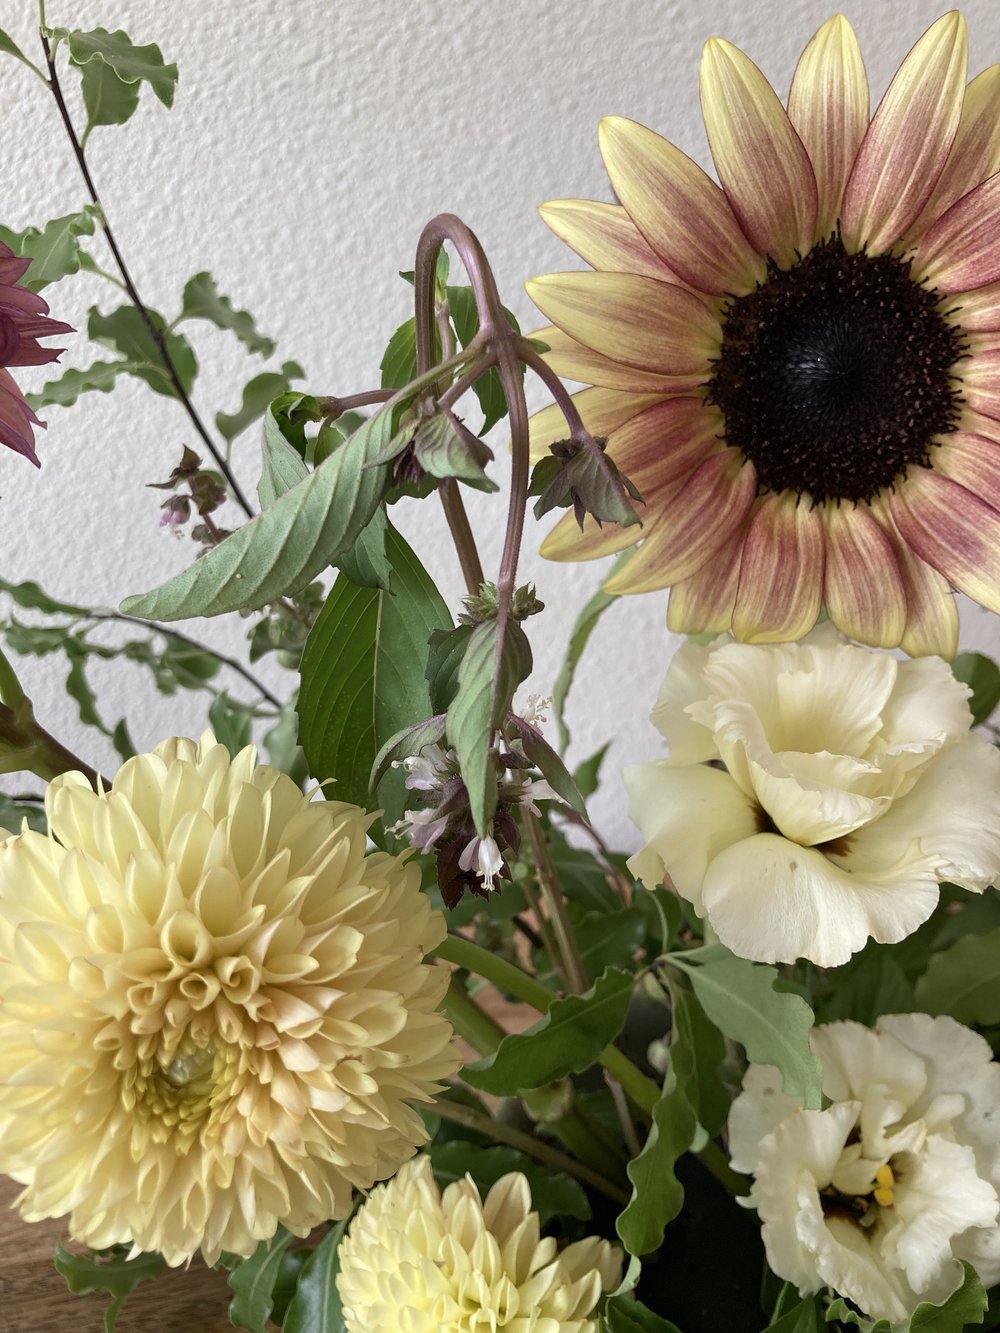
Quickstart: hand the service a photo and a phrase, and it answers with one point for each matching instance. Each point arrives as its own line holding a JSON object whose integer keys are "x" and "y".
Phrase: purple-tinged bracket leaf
{"x": 547, "y": 761}
{"x": 579, "y": 472}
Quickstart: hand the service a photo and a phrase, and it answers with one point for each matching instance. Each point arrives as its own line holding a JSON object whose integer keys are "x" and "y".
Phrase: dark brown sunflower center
{"x": 835, "y": 375}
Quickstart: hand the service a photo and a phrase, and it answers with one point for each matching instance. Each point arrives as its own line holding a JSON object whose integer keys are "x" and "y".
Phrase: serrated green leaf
{"x": 34, "y": 598}
{"x": 113, "y": 1274}
{"x": 964, "y": 981}
{"x": 566, "y": 1040}
{"x": 131, "y": 63}
{"x": 315, "y": 1307}
{"x": 101, "y": 377}
{"x": 55, "y": 249}
{"x": 203, "y": 300}
{"x": 982, "y": 675}
{"x": 624, "y": 1314}
{"x": 551, "y": 1195}
{"x": 108, "y": 100}
{"x": 657, "y": 1194}
{"x": 282, "y": 466}
{"x": 583, "y": 628}
{"x": 124, "y": 331}
{"x": 773, "y": 1027}
{"x": 253, "y": 1281}
{"x": 967, "y": 1305}
{"x": 257, "y": 394}
{"x": 363, "y": 675}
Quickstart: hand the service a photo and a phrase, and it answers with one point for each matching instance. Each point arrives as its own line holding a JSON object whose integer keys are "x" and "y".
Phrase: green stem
{"x": 482, "y": 1033}
{"x": 572, "y": 964}
{"x": 11, "y": 690}
{"x": 714, "y": 1159}
{"x": 643, "y": 1091}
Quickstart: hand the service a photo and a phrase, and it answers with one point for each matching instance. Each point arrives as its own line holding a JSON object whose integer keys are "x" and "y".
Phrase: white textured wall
{"x": 307, "y": 145}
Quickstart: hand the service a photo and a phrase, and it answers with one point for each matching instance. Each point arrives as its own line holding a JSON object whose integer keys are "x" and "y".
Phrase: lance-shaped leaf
{"x": 257, "y": 394}
{"x": 54, "y": 250}
{"x": 586, "y": 623}
{"x": 203, "y": 300}
{"x": 551, "y": 1195}
{"x": 253, "y": 1281}
{"x": 567, "y": 1040}
{"x": 445, "y": 652}
{"x": 444, "y": 447}
{"x": 697, "y": 1049}
{"x": 964, "y": 981}
{"x": 282, "y": 466}
{"x": 101, "y": 377}
{"x": 128, "y": 62}
{"x": 315, "y": 1307}
{"x": 553, "y": 770}
{"x": 657, "y": 1194}
{"x": 9, "y": 47}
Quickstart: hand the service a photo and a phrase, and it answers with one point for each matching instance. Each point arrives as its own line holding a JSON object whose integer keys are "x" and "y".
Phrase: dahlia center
{"x": 837, "y": 374}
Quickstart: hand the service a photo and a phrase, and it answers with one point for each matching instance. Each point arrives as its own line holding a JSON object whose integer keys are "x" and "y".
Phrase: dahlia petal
{"x": 973, "y": 461}
{"x": 953, "y": 530}
{"x": 703, "y": 603}
{"x": 16, "y": 420}
{"x": 604, "y": 236}
{"x": 761, "y": 161}
{"x": 602, "y": 410}
{"x": 962, "y": 249}
{"x": 908, "y": 141}
{"x": 976, "y": 311}
{"x": 975, "y": 153}
{"x": 828, "y": 106}
{"x": 572, "y": 361}
{"x": 773, "y": 901}
{"x": 781, "y": 573}
{"x": 12, "y": 267}
{"x": 931, "y": 614}
{"x": 699, "y": 518}
{"x": 679, "y": 209}
{"x": 862, "y": 585}
{"x": 652, "y": 325}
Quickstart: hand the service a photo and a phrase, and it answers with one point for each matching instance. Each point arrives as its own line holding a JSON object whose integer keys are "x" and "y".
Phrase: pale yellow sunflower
{"x": 800, "y": 368}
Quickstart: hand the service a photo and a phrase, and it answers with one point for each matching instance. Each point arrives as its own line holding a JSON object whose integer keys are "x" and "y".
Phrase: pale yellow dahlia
{"x": 424, "y": 1262}
{"x": 214, "y": 1006}
{"x": 799, "y": 370}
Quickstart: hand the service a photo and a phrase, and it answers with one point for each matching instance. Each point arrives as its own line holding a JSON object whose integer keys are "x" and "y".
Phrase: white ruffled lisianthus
{"x": 214, "y": 1006}
{"x": 815, "y": 795}
{"x": 879, "y": 1196}
{"x": 422, "y": 1260}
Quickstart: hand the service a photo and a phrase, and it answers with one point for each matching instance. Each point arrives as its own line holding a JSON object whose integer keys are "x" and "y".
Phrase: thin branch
{"x": 461, "y": 535}
{"x": 572, "y": 964}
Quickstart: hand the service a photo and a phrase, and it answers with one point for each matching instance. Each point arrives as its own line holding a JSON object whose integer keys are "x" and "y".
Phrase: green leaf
{"x": 773, "y": 1027}
{"x": 657, "y": 1194}
{"x": 553, "y": 770}
{"x": 130, "y": 63}
{"x": 114, "y": 1274}
{"x": 101, "y": 377}
{"x": 408, "y": 740}
{"x": 399, "y": 364}
{"x": 124, "y": 331}
{"x": 445, "y": 652}
{"x": 967, "y": 1305}
{"x": 282, "y": 550}
{"x": 489, "y": 387}
{"x": 363, "y": 674}
{"x": 34, "y": 598}
{"x": 78, "y": 687}
{"x": 282, "y": 466}
{"x": 253, "y": 1282}
{"x": 964, "y": 981}
{"x": 55, "y": 249}
{"x": 805, "y": 1316}
{"x": 697, "y": 1049}
{"x": 480, "y": 704}
{"x": 982, "y": 675}
{"x": 567, "y": 1040}
{"x": 583, "y": 628}
{"x": 367, "y": 563}
{"x": 586, "y": 775}
{"x": 232, "y": 724}
{"x": 108, "y": 99}
{"x": 260, "y": 391}
{"x": 870, "y": 985}
{"x": 604, "y": 939}
{"x": 11, "y": 48}
{"x": 625, "y": 1314}
{"x": 12, "y": 813}
{"x": 315, "y": 1307}
{"x": 551, "y": 1195}
{"x": 583, "y": 879}
{"x": 441, "y": 452}
{"x": 203, "y": 300}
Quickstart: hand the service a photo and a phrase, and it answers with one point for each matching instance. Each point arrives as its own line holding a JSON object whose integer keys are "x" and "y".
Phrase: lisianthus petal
{"x": 809, "y": 797}
{"x": 931, "y": 614}
{"x": 761, "y": 161}
{"x": 698, "y": 519}
{"x": 572, "y": 361}
{"x": 828, "y": 106}
{"x": 773, "y": 901}
{"x": 604, "y": 236}
{"x": 781, "y": 573}
{"x": 863, "y": 587}
{"x": 756, "y": 1112}
{"x": 953, "y": 530}
{"x": 690, "y": 742}
{"x": 976, "y": 311}
{"x": 962, "y": 249}
{"x": 703, "y": 603}
{"x": 974, "y": 462}
{"x": 679, "y": 209}
{"x": 652, "y": 325}
{"x": 975, "y": 152}
{"x": 601, "y": 410}
{"x": 687, "y": 816}
{"x": 907, "y": 144}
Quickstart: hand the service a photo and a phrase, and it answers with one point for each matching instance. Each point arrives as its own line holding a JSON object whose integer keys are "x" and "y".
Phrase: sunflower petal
{"x": 703, "y": 603}
{"x": 977, "y": 311}
{"x": 828, "y": 106}
{"x": 664, "y": 445}
{"x": 962, "y": 249}
{"x": 908, "y": 142}
{"x": 566, "y": 541}
{"x": 931, "y": 614}
{"x": 975, "y": 153}
{"x": 781, "y": 573}
{"x": 863, "y": 588}
{"x": 652, "y": 325}
{"x": 696, "y": 523}
{"x": 953, "y": 530}
{"x": 602, "y": 411}
{"x": 604, "y": 236}
{"x": 761, "y": 161}
{"x": 679, "y": 209}
{"x": 974, "y": 462}
{"x": 572, "y": 361}
{"x": 980, "y": 376}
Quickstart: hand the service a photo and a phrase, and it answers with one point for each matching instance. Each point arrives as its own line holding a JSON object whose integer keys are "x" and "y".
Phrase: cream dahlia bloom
{"x": 214, "y": 1006}
{"x": 797, "y": 366}
{"x": 424, "y": 1262}
{"x": 815, "y": 795}
{"x": 879, "y": 1196}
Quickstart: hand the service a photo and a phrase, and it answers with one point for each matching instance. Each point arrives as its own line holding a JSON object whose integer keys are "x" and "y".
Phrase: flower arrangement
{"x": 386, "y": 1029}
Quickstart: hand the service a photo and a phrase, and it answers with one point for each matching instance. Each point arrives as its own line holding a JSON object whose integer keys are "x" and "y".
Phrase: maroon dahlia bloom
{"x": 24, "y": 318}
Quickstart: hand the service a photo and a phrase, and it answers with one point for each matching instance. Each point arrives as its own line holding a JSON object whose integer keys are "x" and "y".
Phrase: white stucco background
{"x": 307, "y": 145}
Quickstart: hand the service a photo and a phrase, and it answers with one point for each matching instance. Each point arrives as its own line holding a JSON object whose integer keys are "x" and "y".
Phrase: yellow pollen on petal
{"x": 884, "y": 1182}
